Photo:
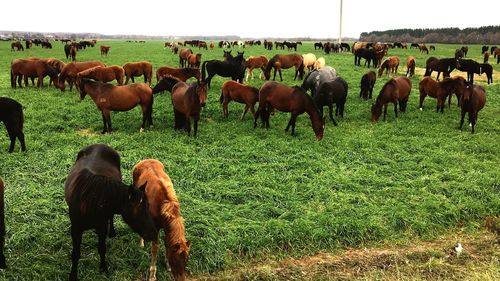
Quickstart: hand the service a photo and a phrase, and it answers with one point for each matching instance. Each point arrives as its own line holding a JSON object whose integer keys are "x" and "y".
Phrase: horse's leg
{"x": 252, "y": 109}
{"x": 396, "y": 108}
{"x": 188, "y": 124}
{"x": 473, "y": 118}
{"x": 244, "y": 111}
{"x": 10, "y": 125}
{"x": 155, "y": 248}
{"x": 330, "y": 113}
{"x": 281, "y": 77}
{"x": 112, "y": 231}
{"x": 437, "y": 78}
{"x": 76, "y": 237}
{"x": 102, "y": 233}
{"x": 104, "y": 128}
{"x": 293, "y": 119}
{"x": 462, "y": 119}
{"x": 274, "y": 76}
{"x": 195, "y": 125}
{"x": 385, "y": 111}
{"x": 423, "y": 94}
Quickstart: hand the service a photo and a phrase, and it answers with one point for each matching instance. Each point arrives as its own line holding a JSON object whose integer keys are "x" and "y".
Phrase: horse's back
{"x": 404, "y": 86}
{"x": 178, "y": 94}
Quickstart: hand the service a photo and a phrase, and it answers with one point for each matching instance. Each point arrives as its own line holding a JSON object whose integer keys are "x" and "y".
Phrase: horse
{"x": 109, "y": 98}
{"x": 432, "y": 47}
{"x": 423, "y": 48}
{"x": 484, "y": 49}
{"x": 245, "y": 94}
{"x": 492, "y": 50}
{"x": 194, "y": 60}
{"x": 369, "y": 55}
{"x": 11, "y": 114}
{"x": 440, "y": 65}
{"x": 134, "y": 69}
{"x": 182, "y": 73}
{"x": 187, "y": 100}
{"x": 391, "y": 63}
{"x": 274, "y": 95}
{"x": 203, "y": 44}
{"x": 367, "y": 84}
{"x": 234, "y": 68}
{"x": 472, "y": 101}
{"x": 105, "y": 50}
{"x": 254, "y": 62}
{"x": 309, "y": 60}
{"x": 164, "y": 208}
{"x": 439, "y": 90}
{"x": 279, "y": 62}
{"x": 70, "y": 71}
{"x": 486, "y": 56}
{"x": 72, "y": 52}
{"x": 471, "y": 67}
{"x": 459, "y": 54}
{"x": 183, "y": 56}
{"x": 31, "y": 68}
{"x": 345, "y": 46}
{"x": 17, "y": 45}
{"x": 320, "y": 62}
{"x": 496, "y": 54}
{"x": 316, "y": 77}
{"x": 331, "y": 92}
{"x": 410, "y": 66}
{"x": 318, "y": 45}
{"x": 396, "y": 90}
{"x": 94, "y": 192}
{"x": 103, "y": 74}
{"x": 465, "y": 50}
{"x": 3, "y": 264}
{"x": 166, "y": 84}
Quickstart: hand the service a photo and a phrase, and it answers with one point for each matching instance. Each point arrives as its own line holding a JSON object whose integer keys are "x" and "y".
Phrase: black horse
{"x": 11, "y": 113}
{"x": 345, "y": 46}
{"x": 317, "y": 77}
{"x": 471, "y": 67}
{"x": 440, "y": 65}
{"x": 367, "y": 84}
{"x": 329, "y": 93}
{"x": 232, "y": 67}
{"x": 318, "y": 45}
{"x": 484, "y": 49}
{"x": 3, "y": 263}
{"x": 94, "y": 192}
{"x": 369, "y": 54}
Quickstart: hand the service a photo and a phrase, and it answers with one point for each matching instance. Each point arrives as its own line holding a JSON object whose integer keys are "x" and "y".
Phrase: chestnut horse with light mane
{"x": 254, "y": 62}
{"x": 164, "y": 208}
{"x": 183, "y": 56}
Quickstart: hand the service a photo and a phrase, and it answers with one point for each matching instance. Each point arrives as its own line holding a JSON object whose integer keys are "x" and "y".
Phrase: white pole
{"x": 340, "y": 25}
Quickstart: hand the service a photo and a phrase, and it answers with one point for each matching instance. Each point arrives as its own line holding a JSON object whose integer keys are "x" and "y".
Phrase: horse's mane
{"x": 271, "y": 62}
{"x": 170, "y": 211}
{"x": 95, "y": 84}
{"x": 392, "y": 83}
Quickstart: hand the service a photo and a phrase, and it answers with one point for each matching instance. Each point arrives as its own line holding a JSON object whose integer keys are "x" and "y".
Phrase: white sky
{"x": 250, "y": 18}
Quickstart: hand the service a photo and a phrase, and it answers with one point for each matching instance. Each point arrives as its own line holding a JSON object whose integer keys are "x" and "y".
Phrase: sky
{"x": 251, "y": 18}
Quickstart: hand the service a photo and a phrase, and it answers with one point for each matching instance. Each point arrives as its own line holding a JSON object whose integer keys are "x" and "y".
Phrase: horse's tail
{"x": 203, "y": 71}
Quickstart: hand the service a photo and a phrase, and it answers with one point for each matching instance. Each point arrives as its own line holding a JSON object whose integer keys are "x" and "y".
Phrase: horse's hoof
{"x": 103, "y": 267}
{"x": 470, "y": 124}
{"x": 421, "y": 109}
{"x": 141, "y": 130}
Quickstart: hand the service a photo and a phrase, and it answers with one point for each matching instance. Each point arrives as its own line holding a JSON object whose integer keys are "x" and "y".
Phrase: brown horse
{"x": 458, "y": 93}
{"x": 17, "y": 45}
{"x": 182, "y": 73}
{"x": 109, "y": 98}
{"x": 3, "y": 264}
{"x": 105, "y": 50}
{"x": 397, "y": 90}
{"x": 164, "y": 208}
{"x": 472, "y": 101}
{"x": 423, "y": 48}
{"x": 70, "y": 71}
{"x": 255, "y": 62}
{"x": 103, "y": 74}
{"x": 391, "y": 63}
{"x": 72, "y": 52}
{"x": 232, "y": 90}
{"x": 134, "y": 69}
{"x": 486, "y": 57}
{"x": 279, "y": 62}
{"x": 410, "y": 66}
{"x": 367, "y": 83}
{"x": 194, "y": 60}
{"x": 183, "y": 56}
{"x": 274, "y": 95}
{"x": 30, "y": 68}
{"x": 187, "y": 100}
{"x": 439, "y": 90}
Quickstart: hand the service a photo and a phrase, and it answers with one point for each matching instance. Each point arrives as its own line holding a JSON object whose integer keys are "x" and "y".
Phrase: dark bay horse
{"x": 369, "y": 54}
{"x": 167, "y": 83}
{"x": 396, "y": 90}
{"x": 472, "y": 67}
{"x": 11, "y": 114}
{"x": 232, "y": 90}
{"x": 187, "y": 100}
{"x": 183, "y": 56}
{"x": 134, "y": 69}
{"x": 439, "y": 90}
{"x": 164, "y": 208}
{"x": 274, "y": 95}
{"x": 279, "y": 62}
{"x": 234, "y": 68}
{"x": 316, "y": 77}
{"x": 3, "y": 263}
{"x": 472, "y": 101}
{"x": 182, "y": 73}
{"x": 94, "y": 192}
{"x": 329, "y": 93}
{"x": 367, "y": 83}
{"x": 109, "y": 98}
{"x": 440, "y": 65}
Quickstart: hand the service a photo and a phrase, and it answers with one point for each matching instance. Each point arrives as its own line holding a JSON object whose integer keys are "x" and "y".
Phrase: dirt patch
{"x": 482, "y": 78}
{"x": 86, "y": 133}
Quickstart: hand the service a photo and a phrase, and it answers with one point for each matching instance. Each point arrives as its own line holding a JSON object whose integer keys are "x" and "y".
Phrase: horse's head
{"x": 376, "y": 112}
{"x": 178, "y": 256}
{"x": 227, "y": 55}
{"x": 467, "y": 93}
{"x": 80, "y": 85}
{"x": 201, "y": 90}
{"x": 135, "y": 212}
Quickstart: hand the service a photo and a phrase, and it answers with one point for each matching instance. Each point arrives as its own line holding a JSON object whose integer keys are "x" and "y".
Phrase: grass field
{"x": 250, "y": 195}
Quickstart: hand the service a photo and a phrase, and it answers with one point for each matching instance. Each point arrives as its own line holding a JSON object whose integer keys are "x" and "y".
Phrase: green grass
{"x": 249, "y": 194}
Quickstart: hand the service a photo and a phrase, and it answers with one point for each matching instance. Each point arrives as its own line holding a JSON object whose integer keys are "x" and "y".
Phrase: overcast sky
{"x": 251, "y": 18}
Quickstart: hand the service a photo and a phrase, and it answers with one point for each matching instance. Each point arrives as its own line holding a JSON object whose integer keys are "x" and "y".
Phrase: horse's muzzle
{"x": 202, "y": 104}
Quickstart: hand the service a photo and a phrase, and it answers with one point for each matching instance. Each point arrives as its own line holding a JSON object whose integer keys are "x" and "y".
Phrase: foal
{"x": 472, "y": 101}
{"x": 232, "y": 90}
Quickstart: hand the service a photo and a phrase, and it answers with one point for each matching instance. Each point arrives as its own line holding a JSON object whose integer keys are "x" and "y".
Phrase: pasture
{"x": 250, "y": 194}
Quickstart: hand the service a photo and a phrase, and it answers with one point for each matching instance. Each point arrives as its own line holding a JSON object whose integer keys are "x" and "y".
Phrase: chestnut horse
{"x": 182, "y": 73}
{"x": 396, "y": 90}
{"x": 232, "y": 90}
{"x": 16, "y": 45}
{"x": 3, "y": 263}
{"x": 410, "y": 66}
{"x": 255, "y": 62}
{"x": 134, "y": 69}
{"x": 472, "y": 101}
{"x": 72, "y": 52}
{"x": 194, "y": 60}
{"x": 11, "y": 114}
{"x": 167, "y": 83}
{"x": 31, "y": 68}
{"x": 367, "y": 84}
{"x": 183, "y": 56}
{"x": 439, "y": 90}
{"x": 274, "y": 95}
{"x": 109, "y": 98}
{"x": 94, "y": 192}
{"x": 187, "y": 100}
{"x": 105, "y": 50}
{"x": 70, "y": 71}
{"x": 103, "y": 74}
{"x": 279, "y": 62}
{"x": 391, "y": 63}
{"x": 164, "y": 208}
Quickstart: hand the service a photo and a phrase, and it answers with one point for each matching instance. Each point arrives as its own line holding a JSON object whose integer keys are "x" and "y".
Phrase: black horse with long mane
{"x": 440, "y": 65}
{"x": 472, "y": 67}
{"x": 232, "y": 67}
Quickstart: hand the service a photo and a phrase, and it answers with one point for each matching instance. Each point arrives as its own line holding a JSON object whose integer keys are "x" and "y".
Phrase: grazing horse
{"x": 203, "y": 44}
{"x": 465, "y": 50}
{"x": 367, "y": 84}
{"x": 109, "y": 98}
{"x": 11, "y": 114}
{"x": 329, "y": 93}
{"x": 439, "y": 90}
{"x": 94, "y": 192}
{"x": 472, "y": 101}
{"x": 309, "y": 60}
{"x": 486, "y": 57}
{"x": 432, "y": 47}
{"x": 134, "y": 69}
{"x": 234, "y": 68}
{"x": 391, "y": 63}
{"x": 396, "y": 90}
{"x": 3, "y": 264}
{"x": 255, "y": 62}
{"x": 31, "y": 68}
{"x": 182, "y": 73}
{"x": 183, "y": 56}
{"x": 17, "y": 45}
{"x": 369, "y": 54}
{"x": 410, "y": 66}
{"x": 164, "y": 208}
{"x": 103, "y": 74}
{"x": 317, "y": 77}
{"x": 320, "y": 62}
{"x": 318, "y": 45}
{"x": 70, "y": 71}
{"x": 72, "y": 52}
{"x": 423, "y": 48}
{"x": 274, "y": 95}
{"x": 194, "y": 60}
{"x": 187, "y": 100}
{"x": 440, "y": 65}
{"x": 279, "y": 62}
{"x": 105, "y": 50}
{"x": 245, "y": 94}
{"x": 484, "y": 49}
{"x": 471, "y": 67}
{"x": 167, "y": 83}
